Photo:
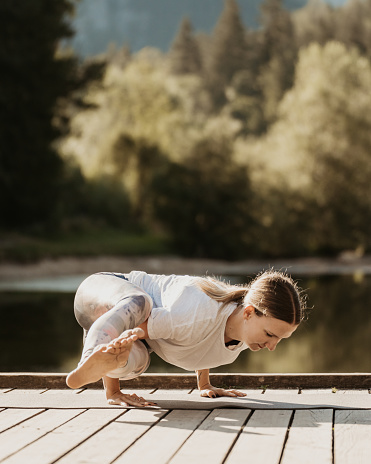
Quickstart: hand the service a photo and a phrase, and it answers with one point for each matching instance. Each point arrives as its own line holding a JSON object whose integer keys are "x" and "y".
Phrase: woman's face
{"x": 260, "y": 332}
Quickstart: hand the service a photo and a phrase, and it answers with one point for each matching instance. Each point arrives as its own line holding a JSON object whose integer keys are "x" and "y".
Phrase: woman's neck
{"x": 232, "y": 327}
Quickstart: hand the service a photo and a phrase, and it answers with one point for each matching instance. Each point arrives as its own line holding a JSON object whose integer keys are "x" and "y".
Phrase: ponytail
{"x": 272, "y": 293}
{"x": 221, "y": 291}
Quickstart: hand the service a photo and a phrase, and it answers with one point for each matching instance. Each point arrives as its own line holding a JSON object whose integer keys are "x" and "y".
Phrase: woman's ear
{"x": 248, "y": 312}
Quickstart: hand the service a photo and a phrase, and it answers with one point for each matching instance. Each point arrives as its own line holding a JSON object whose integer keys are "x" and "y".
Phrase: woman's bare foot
{"x": 105, "y": 358}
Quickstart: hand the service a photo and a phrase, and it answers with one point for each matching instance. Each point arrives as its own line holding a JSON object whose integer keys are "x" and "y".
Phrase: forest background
{"x": 242, "y": 143}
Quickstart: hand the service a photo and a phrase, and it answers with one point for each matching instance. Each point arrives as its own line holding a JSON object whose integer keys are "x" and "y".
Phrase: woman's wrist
{"x": 111, "y": 386}
{"x": 205, "y": 386}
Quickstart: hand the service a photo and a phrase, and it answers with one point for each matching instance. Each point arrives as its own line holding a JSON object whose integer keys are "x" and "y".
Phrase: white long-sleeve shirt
{"x": 186, "y": 327}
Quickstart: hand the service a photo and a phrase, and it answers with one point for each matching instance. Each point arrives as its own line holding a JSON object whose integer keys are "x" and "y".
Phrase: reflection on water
{"x": 39, "y": 333}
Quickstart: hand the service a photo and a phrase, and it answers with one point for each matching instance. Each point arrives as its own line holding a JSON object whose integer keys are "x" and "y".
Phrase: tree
{"x": 353, "y": 25}
{"x": 278, "y": 54}
{"x": 204, "y": 203}
{"x": 319, "y": 148}
{"x": 32, "y": 81}
{"x": 228, "y": 51}
{"x": 316, "y": 22}
{"x": 184, "y": 54}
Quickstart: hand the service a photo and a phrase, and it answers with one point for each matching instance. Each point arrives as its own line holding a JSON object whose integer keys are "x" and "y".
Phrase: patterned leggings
{"x": 107, "y": 304}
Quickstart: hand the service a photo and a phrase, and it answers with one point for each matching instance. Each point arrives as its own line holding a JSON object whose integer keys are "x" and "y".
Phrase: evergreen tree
{"x": 32, "y": 82}
{"x": 228, "y": 51}
{"x": 316, "y": 22}
{"x": 353, "y": 25}
{"x": 184, "y": 54}
{"x": 278, "y": 54}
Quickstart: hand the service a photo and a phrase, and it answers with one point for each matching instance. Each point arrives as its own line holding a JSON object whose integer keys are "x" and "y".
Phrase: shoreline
{"x": 49, "y": 268}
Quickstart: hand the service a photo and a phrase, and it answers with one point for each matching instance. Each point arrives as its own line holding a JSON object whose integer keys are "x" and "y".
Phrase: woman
{"x": 191, "y": 322}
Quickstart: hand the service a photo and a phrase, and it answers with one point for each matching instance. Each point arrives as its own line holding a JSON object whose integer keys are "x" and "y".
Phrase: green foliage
{"x": 136, "y": 161}
{"x": 321, "y": 145}
{"x": 93, "y": 241}
{"x": 204, "y": 204}
{"x": 86, "y": 203}
{"x": 242, "y": 143}
{"x": 31, "y": 82}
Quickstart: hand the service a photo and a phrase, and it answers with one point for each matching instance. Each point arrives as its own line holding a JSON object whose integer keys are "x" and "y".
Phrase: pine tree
{"x": 353, "y": 25}
{"x": 228, "y": 53}
{"x": 314, "y": 23}
{"x": 32, "y": 82}
{"x": 184, "y": 54}
{"x": 278, "y": 54}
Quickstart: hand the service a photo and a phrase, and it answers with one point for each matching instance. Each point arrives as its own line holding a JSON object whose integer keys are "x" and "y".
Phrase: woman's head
{"x": 269, "y": 309}
{"x": 276, "y": 295}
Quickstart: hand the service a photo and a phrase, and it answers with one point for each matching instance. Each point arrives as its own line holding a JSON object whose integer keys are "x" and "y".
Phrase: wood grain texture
{"x": 352, "y": 437}
{"x": 262, "y": 438}
{"x": 311, "y": 430}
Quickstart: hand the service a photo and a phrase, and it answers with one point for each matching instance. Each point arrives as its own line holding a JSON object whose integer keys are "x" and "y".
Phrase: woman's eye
{"x": 269, "y": 335}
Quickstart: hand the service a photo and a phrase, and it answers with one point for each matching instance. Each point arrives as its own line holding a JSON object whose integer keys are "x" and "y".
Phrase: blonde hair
{"x": 271, "y": 293}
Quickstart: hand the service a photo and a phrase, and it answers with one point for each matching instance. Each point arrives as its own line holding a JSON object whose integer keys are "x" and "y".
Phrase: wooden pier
{"x": 284, "y": 419}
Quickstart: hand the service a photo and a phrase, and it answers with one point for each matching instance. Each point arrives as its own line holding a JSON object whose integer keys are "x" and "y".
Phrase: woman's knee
{"x": 144, "y": 302}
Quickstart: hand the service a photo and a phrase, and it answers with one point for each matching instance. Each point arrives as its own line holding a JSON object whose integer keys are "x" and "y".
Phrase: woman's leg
{"x": 108, "y": 306}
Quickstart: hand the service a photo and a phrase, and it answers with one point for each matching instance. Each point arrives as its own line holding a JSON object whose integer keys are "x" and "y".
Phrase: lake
{"x": 39, "y": 332}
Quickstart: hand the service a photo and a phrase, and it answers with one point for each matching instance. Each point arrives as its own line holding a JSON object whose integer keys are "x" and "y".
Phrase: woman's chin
{"x": 254, "y": 347}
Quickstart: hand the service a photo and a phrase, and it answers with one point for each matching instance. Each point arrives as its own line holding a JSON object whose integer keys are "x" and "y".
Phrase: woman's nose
{"x": 271, "y": 345}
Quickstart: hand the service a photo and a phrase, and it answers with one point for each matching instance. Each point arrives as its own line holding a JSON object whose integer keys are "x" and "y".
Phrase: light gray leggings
{"x": 107, "y": 304}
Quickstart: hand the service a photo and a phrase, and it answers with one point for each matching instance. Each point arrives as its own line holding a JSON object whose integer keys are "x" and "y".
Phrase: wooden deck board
{"x": 16, "y": 438}
{"x": 262, "y": 437}
{"x": 231, "y": 435}
{"x": 352, "y": 437}
{"x": 61, "y": 439}
{"x": 163, "y": 440}
{"x": 310, "y": 431}
{"x": 111, "y": 441}
{"x": 213, "y": 439}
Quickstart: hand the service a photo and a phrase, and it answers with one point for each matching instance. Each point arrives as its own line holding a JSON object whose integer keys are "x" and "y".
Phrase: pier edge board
{"x": 25, "y": 380}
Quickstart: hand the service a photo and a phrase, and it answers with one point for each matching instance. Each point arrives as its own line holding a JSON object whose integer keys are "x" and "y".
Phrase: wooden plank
{"x": 213, "y": 439}
{"x": 310, "y": 438}
{"x": 11, "y": 417}
{"x": 30, "y": 430}
{"x": 262, "y": 438}
{"x": 110, "y": 442}
{"x": 22, "y": 391}
{"x": 159, "y": 444}
{"x": 60, "y": 391}
{"x": 59, "y": 441}
{"x": 340, "y": 381}
{"x": 352, "y": 437}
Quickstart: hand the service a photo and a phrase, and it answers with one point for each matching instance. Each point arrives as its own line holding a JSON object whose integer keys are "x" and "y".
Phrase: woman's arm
{"x": 114, "y": 394}
{"x": 206, "y": 389}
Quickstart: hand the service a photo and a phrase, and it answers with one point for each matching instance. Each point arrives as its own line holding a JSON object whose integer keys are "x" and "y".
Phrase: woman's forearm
{"x": 203, "y": 379}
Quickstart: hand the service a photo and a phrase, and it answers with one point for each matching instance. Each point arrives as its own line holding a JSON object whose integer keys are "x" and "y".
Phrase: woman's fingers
{"x": 130, "y": 400}
{"x": 215, "y": 392}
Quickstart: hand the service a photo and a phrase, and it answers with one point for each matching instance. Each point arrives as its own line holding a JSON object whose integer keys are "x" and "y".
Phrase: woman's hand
{"x": 213, "y": 392}
{"x": 115, "y": 396}
{"x": 123, "y": 399}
